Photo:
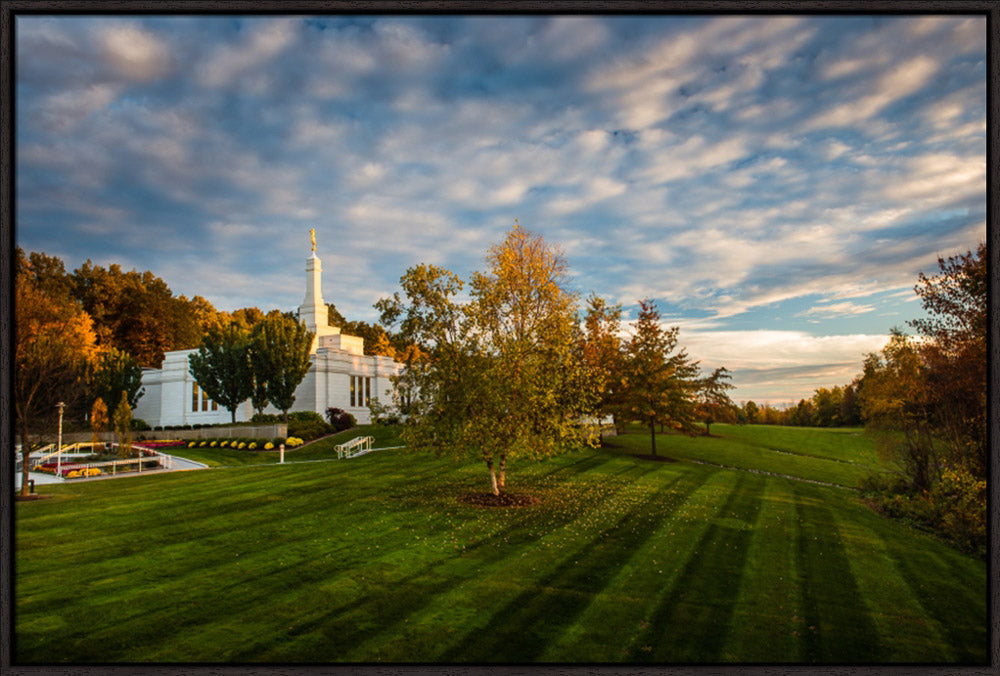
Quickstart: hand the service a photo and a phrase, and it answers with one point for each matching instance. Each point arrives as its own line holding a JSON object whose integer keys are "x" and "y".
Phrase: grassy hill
{"x": 376, "y": 559}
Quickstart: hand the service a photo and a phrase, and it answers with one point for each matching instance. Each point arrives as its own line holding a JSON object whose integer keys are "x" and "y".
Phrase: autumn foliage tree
{"x": 54, "y": 347}
{"x": 502, "y": 376}
{"x": 601, "y": 348}
{"x": 136, "y": 312}
{"x": 927, "y": 396}
{"x": 98, "y": 420}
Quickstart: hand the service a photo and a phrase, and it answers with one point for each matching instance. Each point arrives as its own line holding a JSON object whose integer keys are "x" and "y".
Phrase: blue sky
{"x": 775, "y": 183}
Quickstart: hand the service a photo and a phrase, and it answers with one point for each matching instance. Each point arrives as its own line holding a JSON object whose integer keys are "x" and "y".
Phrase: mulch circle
{"x": 502, "y": 500}
{"x": 25, "y": 498}
{"x": 655, "y": 458}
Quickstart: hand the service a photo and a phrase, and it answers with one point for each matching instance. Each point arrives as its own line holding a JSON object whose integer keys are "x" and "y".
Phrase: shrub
{"x": 305, "y": 416}
{"x": 252, "y": 446}
{"x": 308, "y": 429}
{"x": 269, "y": 446}
{"x": 140, "y": 425}
{"x": 212, "y": 443}
{"x": 278, "y": 441}
{"x": 292, "y": 442}
{"x": 340, "y": 419}
{"x": 954, "y": 508}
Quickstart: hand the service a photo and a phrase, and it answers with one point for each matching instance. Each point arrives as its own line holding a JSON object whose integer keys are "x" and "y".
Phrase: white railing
{"x": 354, "y": 447}
{"x": 74, "y": 470}
{"x": 65, "y": 450}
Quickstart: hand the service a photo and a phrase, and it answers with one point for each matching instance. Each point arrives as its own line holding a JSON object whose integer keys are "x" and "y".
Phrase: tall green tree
{"x": 117, "y": 372}
{"x": 54, "y": 348}
{"x": 660, "y": 378}
{"x": 280, "y": 347}
{"x": 221, "y": 366}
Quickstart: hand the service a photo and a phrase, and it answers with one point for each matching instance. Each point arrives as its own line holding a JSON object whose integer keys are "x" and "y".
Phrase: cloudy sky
{"x": 774, "y": 183}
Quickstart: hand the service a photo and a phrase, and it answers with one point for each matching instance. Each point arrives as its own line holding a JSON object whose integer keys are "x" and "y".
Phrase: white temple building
{"x": 340, "y": 375}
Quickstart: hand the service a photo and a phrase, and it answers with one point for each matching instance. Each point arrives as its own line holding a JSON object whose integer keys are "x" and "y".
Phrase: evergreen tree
{"x": 660, "y": 380}
{"x": 714, "y": 404}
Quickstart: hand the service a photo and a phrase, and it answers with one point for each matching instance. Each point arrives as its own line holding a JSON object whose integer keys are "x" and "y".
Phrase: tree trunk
{"x": 503, "y": 472}
{"x": 652, "y": 435}
{"x": 708, "y": 428}
{"x": 493, "y": 477}
{"x": 25, "y": 457}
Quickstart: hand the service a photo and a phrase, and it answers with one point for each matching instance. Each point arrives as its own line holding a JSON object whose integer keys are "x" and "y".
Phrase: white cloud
{"x": 135, "y": 53}
{"x": 265, "y": 41}
{"x": 823, "y": 361}
{"x": 845, "y": 309}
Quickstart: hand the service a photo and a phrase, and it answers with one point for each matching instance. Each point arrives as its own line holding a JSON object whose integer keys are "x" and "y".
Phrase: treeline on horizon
{"x": 837, "y": 406}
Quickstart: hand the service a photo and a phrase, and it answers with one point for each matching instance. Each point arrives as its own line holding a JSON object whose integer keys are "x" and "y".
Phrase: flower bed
{"x": 157, "y": 445}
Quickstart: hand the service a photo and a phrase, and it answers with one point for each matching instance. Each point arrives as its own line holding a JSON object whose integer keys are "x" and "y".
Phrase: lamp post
{"x": 60, "y": 406}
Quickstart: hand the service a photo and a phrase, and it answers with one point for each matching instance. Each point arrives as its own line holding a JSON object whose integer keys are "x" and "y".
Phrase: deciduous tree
{"x": 221, "y": 366}
{"x": 281, "y": 348}
{"x": 954, "y": 354}
{"x": 503, "y": 377}
{"x": 117, "y": 372}
{"x": 603, "y": 358}
{"x": 54, "y": 347}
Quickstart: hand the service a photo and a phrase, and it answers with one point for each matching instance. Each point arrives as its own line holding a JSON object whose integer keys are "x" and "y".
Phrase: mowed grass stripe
{"x": 906, "y": 632}
{"x": 950, "y": 591}
{"x": 746, "y": 453}
{"x": 767, "y": 621}
{"x": 615, "y": 617}
{"x": 690, "y": 620}
{"x": 838, "y": 623}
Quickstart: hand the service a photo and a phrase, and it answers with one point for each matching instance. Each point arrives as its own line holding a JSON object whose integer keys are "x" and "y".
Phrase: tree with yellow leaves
{"x": 504, "y": 377}
{"x": 54, "y": 346}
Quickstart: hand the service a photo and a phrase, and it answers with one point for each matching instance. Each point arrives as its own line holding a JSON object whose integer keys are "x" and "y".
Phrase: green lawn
{"x": 840, "y": 456}
{"x": 375, "y": 559}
